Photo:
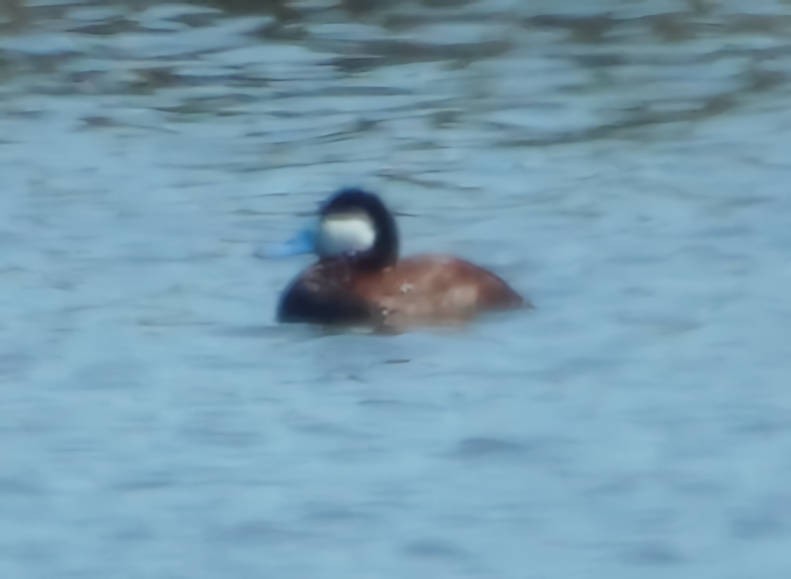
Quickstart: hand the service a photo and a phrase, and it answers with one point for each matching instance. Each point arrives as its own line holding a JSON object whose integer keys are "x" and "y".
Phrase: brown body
{"x": 433, "y": 289}
{"x": 420, "y": 290}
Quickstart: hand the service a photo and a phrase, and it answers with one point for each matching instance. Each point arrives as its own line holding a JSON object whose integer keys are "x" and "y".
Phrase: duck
{"x": 359, "y": 278}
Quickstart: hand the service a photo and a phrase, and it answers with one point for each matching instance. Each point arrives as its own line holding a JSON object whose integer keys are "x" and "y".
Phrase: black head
{"x": 357, "y": 225}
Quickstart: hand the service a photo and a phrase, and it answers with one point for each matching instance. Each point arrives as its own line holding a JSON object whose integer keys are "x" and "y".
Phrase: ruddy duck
{"x": 358, "y": 278}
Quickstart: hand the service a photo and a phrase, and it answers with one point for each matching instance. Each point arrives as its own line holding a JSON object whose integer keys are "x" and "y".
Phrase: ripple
{"x": 434, "y": 549}
{"x": 483, "y": 447}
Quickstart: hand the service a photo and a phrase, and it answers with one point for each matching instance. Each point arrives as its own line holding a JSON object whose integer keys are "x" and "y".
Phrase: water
{"x": 625, "y": 164}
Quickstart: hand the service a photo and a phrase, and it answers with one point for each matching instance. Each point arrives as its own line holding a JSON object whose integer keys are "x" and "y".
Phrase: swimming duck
{"x": 360, "y": 280}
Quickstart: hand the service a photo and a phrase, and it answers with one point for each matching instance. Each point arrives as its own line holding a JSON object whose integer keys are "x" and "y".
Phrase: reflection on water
{"x": 625, "y": 163}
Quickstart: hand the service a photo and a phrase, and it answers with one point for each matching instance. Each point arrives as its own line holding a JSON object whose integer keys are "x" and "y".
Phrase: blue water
{"x": 624, "y": 164}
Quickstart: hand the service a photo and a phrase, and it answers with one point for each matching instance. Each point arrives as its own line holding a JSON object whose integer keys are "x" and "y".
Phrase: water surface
{"x": 625, "y": 164}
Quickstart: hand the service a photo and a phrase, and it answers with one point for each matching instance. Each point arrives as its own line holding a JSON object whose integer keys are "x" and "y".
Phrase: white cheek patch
{"x": 339, "y": 234}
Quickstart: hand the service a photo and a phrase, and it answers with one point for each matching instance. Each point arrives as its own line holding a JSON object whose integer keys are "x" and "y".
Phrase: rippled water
{"x": 625, "y": 164}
